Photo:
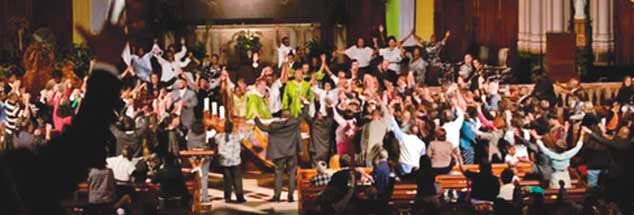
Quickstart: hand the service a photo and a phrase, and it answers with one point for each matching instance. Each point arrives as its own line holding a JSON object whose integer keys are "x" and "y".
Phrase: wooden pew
{"x": 403, "y": 195}
{"x": 455, "y": 180}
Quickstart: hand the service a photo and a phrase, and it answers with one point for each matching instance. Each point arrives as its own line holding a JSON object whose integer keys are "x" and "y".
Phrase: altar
{"x": 224, "y": 39}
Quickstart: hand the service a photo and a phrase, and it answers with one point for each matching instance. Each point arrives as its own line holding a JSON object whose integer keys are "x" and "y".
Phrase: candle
{"x": 206, "y": 104}
{"x": 214, "y": 108}
{"x": 222, "y": 112}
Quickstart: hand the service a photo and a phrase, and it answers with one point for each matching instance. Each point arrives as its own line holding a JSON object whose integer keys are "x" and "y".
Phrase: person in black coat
{"x": 59, "y": 165}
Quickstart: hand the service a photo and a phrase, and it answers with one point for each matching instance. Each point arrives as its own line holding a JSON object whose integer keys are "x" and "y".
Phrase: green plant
{"x": 249, "y": 42}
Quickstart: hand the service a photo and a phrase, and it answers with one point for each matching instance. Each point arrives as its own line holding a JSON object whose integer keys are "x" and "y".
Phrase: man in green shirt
{"x": 257, "y": 101}
{"x": 295, "y": 90}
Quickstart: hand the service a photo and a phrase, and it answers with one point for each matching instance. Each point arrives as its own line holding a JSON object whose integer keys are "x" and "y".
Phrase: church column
{"x": 603, "y": 34}
{"x": 558, "y": 16}
{"x": 521, "y": 37}
{"x": 536, "y": 27}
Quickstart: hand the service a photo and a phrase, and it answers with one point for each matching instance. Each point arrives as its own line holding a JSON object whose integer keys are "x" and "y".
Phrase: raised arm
{"x": 179, "y": 55}
{"x": 398, "y": 134}
{"x": 340, "y": 120}
{"x": 260, "y": 125}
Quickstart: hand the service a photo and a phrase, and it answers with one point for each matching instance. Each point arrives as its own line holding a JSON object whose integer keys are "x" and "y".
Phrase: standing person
{"x": 381, "y": 175}
{"x": 362, "y": 54}
{"x": 427, "y": 201}
{"x": 101, "y": 189}
{"x": 229, "y": 146}
{"x": 411, "y": 147}
{"x": 560, "y": 160}
{"x": 197, "y": 140}
{"x": 258, "y": 101}
{"x": 171, "y": 67}
{"x": 13, "y": 111}
{"x": 618, "y": 179}
{"x": 373, "y": 133}
{"x": 418, "y": 66}
{"x": 184, "y": 100}
{"x": 393, "y": 55}
{"x": 294, "y": 92}
{"x": 441, "y": 153}
{"x": 284, "y": 146}
{"x": 321, "y": 134}
{"x": 284, "y": 49}
{"x": 485, "y": 186}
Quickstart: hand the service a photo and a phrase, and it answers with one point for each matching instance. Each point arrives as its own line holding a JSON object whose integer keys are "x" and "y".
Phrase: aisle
{"x": 258, "y": 188}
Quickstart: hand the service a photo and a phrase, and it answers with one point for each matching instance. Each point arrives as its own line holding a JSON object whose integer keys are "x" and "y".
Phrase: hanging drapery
{"x": 81, "y": 17}
{"x": 399, "y": 19}
{"x": 392, "y": 17}
{"x": 424, "y": 18}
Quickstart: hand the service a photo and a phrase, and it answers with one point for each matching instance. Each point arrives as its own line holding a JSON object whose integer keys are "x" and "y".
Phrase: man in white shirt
{"x": 507, "y": 188}
{"x": 123, "y": 165}
{"x": 284, "y": 48}
{"x": 361, "y": 53}
{"x": 393, "y": 54}
{"x": 172, "y": 66}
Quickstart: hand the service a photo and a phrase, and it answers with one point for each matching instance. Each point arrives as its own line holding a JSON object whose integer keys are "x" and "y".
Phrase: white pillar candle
{"x": 222, "y": 112}
{"x": 206, "y": 104}
{"x": 214, "y": 108}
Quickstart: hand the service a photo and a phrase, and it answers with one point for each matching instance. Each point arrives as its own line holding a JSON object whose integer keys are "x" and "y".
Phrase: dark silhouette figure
{"x": 35, "y": 182}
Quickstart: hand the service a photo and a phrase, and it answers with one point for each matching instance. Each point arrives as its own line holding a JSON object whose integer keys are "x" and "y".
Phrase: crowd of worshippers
{"x": 374, "y": 110}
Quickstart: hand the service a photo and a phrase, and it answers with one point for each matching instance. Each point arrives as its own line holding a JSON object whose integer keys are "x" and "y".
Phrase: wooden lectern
{"x": 560, "y": 56}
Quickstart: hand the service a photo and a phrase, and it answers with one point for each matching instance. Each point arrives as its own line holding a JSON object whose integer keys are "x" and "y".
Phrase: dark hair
{"x": 344, "y": 160}
{"x": 507, "y": 176}
{"x": 228, "y": 129}
{"x": 57, "y": 74}
{"x": 391, "y": 38}
{"x": 485, "y": 167}
{"x": 441, "y": 134}
{"x": 425, "y": 164}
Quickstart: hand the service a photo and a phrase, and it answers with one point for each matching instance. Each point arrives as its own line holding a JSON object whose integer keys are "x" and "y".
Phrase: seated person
{"x": 513, "y": 157}
{"x": 172, "y": 181}
{"x": 381, "y": 176}
{"x": 323, "y": 176}
{"x": 507, "y": 188}
{"x": 123, "y": 166}
{"x": 100, "y": 190}
{"x": 339, "y": 191}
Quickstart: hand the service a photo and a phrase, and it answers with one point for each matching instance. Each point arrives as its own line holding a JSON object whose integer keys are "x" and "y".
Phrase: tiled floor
{"x": 258, "y": 188}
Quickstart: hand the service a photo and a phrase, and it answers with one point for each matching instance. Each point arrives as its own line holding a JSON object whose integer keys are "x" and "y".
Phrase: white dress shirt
{"x": 394, "y": 57}
{"x": 362, "y": 55}
{"x": 122, "y": 167}
{"x": 282, "y": 51}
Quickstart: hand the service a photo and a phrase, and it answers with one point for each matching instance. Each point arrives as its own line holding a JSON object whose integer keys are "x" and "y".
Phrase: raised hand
{"x": 108, "y": 43}
{"x": 381, "y": 28}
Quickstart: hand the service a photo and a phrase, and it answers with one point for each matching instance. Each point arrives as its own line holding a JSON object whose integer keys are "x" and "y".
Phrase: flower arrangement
{"x": 247, "y": 42}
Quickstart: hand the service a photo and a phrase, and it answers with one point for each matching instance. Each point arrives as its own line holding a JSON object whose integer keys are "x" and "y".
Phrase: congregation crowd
{"x": 376, "y": 110}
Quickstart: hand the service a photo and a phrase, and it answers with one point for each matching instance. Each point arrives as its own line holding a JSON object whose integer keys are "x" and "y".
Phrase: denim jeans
{"x": 593, "y": 177}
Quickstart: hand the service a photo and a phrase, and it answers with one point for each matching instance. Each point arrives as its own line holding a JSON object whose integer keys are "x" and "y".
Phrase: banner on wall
{"x": 404, "y": 16}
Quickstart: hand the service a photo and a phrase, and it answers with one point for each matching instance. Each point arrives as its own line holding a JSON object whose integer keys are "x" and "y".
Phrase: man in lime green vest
{"x": 295, "y": 90}
{"x": 257, "y": 102}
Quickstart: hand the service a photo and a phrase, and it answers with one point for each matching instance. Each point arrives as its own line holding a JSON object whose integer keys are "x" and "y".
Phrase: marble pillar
{"x": 538, "y": 17}
{"x": 601, "y": 12}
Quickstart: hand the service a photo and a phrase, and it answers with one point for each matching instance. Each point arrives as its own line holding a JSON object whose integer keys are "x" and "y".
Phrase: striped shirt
{"x": 12, "y": 112}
